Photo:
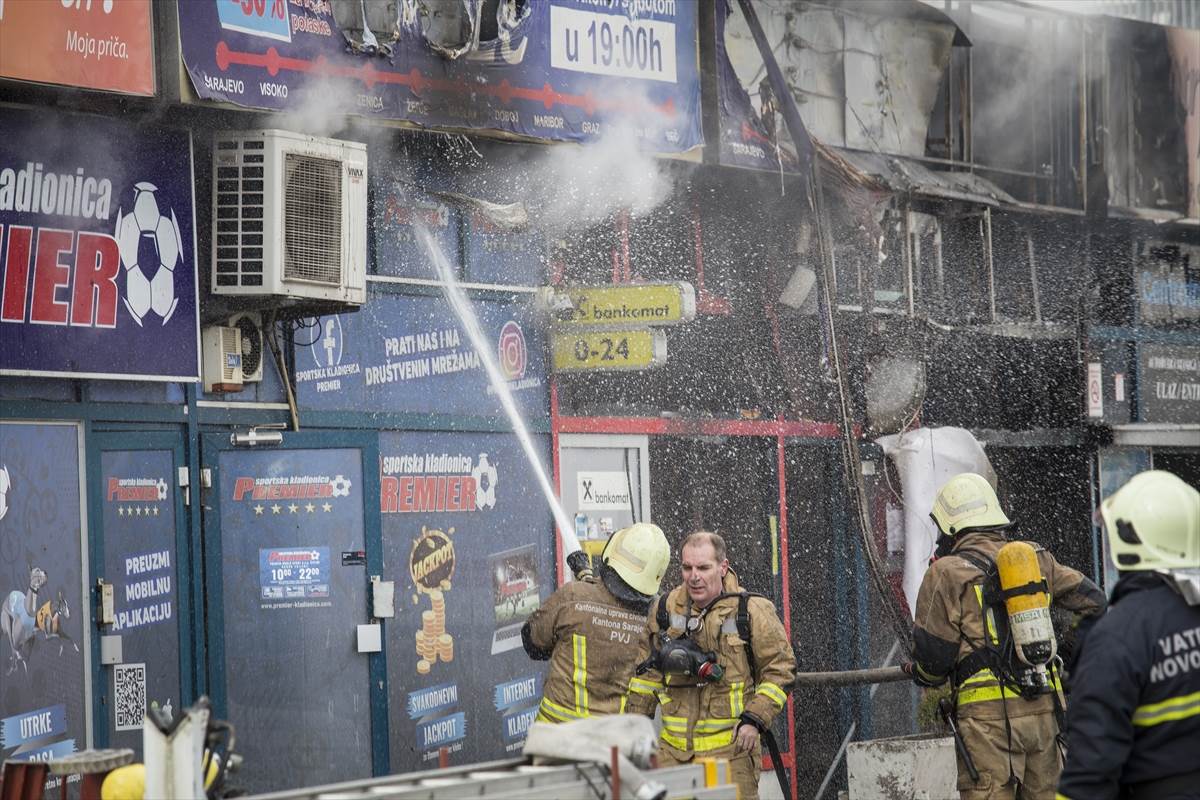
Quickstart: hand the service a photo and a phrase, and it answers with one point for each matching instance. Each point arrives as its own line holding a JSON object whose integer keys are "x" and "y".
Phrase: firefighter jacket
{"x": 949, "y": 625}
{"x": 704, "y": 718}
{"x": 593, "y": 642}
{"x": 1135, "y": 697}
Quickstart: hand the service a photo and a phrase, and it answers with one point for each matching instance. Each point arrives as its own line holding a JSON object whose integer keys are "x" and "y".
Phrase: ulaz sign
{"x": 1169, "y": 383}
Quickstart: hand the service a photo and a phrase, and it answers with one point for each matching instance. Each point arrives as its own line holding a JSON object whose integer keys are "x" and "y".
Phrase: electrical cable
{"x": 851, "y": 461}
{"x": 269, "y": 325}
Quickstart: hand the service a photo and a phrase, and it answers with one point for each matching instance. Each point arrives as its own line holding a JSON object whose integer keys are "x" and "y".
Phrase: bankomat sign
{"x": 97, "y": 256}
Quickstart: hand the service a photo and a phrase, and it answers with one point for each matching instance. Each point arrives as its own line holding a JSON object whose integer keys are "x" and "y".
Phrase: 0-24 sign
{"x": 609, "y": 350}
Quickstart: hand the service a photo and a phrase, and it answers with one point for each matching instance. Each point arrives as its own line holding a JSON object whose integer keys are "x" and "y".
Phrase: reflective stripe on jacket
{"x": 702, "y": 719}
{"x": 595, "y": 644}
{"x": 1134, "y": 716}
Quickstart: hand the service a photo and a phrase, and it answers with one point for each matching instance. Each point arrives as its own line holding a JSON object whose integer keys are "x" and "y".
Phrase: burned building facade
{"x": 1010, "y": 199}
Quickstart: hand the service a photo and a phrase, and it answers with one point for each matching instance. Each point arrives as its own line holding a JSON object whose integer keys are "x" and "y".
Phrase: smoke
{"x": 1021, "y": 61}
{"x": 577, "y": 186}
{"x": 322, "y": 111}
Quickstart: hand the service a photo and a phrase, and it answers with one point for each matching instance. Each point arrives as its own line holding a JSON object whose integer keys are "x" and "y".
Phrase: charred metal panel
{"x": 865, "y": 75}
{"x": 1147, "y": 118}
{"x": 1184, "y": 45}
{"x": 892, "y": 75}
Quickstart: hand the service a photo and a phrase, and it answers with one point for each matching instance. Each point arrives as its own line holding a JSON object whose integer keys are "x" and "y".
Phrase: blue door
{"x": 291, "y": 538}
{"x": 140, "y": 547}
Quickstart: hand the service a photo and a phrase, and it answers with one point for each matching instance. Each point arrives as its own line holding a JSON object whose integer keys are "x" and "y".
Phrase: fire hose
{"x": 850, "y": 677}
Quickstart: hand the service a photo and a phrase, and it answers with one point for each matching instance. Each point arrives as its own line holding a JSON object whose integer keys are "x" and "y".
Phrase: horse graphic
{"x": 21, "y": 618}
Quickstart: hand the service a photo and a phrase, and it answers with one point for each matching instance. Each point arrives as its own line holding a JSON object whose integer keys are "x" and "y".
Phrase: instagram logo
{"x": 512, "y": 351}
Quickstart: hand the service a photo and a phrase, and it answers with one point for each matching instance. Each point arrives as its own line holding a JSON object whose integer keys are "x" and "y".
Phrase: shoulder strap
{"x": 977, "y": 560}
{"x": 743, "y": 616}
{"x": 662, "y": 615}
{"x": 743, "y": 627}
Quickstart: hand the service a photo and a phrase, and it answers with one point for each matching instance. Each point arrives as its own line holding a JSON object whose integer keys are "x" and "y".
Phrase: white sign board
{"x": 603, "y": 491}
{"x": 1095, "y": 390}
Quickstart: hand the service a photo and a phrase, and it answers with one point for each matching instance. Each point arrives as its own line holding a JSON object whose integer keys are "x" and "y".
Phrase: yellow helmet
{"x": 124, "y": 783}
{"x": 1153, "y": 523}
{"x": 639, "y": 554}
{"x": 967, "y": 501}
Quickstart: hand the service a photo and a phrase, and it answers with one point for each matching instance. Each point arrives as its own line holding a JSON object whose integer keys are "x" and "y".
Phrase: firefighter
{"x": 1134, "y": 723}
{"x": 1007, "y": 716}
{"x": 593, "y": 630}
{"x": 720, "y": 664}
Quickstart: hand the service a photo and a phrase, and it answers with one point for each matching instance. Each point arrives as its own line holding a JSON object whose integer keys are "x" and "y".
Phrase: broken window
{"x": 1013, "y": 267}
{"x": 1025, "y": 80}
{"x": 966, "y": 271}
{"x": 925, "y": 248}
{"x": 1146, "y": 148}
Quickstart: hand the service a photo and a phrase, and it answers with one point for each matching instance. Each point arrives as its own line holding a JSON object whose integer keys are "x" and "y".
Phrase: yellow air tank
{"x": 1028, "y": 610}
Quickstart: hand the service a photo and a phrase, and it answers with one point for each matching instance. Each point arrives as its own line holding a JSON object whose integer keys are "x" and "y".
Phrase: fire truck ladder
{"x": 516, "y": 779}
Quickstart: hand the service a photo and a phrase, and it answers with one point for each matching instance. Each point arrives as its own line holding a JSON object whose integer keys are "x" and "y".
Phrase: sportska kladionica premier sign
{"x": 97, "y": 254}
{"x": 563, "y": 70}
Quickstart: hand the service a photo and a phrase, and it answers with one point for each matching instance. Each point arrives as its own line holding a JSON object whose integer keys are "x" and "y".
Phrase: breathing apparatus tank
{"x": 1027, "y": 601}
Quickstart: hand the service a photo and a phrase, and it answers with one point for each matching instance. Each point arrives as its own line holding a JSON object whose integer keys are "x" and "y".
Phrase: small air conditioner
{"x": 221, "y": 358}
{"x": 290, "y": 219}
{"x": 250, "y": 326}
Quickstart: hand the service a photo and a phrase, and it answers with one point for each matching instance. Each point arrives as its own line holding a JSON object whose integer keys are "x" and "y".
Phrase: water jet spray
{"x": 462, "y": 307}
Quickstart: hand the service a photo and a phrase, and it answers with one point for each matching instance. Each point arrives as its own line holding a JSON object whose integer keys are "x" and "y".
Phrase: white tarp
{"x": 925, "y": 459}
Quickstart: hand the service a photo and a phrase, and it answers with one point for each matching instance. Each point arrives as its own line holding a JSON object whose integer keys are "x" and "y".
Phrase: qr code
{"x": 129, "y": 696}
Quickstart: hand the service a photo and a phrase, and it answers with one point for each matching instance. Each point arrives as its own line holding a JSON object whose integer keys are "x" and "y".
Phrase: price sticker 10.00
{"x": 609, "y": 350}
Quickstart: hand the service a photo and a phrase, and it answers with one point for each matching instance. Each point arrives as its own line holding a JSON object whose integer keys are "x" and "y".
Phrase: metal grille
{"x": 251, "y": 344}
{"x": 312, "y": 219}
{"x": 230, "y": 346}
{"x": 238, "y": 228}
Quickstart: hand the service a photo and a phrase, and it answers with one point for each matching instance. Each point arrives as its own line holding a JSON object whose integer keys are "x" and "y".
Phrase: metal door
{"x": 290, "y": 542}
{"x": 605, "y": 484}
{"x": 141, "y": 550}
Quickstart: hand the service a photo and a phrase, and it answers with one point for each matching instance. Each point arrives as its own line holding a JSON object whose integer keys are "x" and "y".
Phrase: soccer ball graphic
{"x": 150, "y": 247}
{"x": 341, "y": 486}
{"x": 485, "y": 482}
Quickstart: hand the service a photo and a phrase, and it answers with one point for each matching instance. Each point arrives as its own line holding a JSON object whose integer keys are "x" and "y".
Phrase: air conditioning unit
{"x": 290, "y": 219}
{"x": 250, "y": 326}
{"x": 221, "y": 358}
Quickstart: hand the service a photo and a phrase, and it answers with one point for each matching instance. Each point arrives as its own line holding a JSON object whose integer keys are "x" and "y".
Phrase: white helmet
{"x": 1153, "y": 523}
{"x": 638, "y": 554}
{"x": 967, "y": 501}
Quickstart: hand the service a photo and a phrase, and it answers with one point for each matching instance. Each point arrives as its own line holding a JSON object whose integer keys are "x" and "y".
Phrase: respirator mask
{"x": 683, "y": 658}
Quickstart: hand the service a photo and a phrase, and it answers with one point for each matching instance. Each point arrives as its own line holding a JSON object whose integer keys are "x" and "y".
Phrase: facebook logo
{"x": 327, "y": 341}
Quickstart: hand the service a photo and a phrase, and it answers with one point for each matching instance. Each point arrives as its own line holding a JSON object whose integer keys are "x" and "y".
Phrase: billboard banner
{"x": 43, "y": 611}
{"x": 97, "y": 254}
{"x": 466, "y": 537}
{"x": 750, "y": 137}
{"x": 92, "y": 44}
{"x": 410, "y": 353}
{"x": 562, "y": 70}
